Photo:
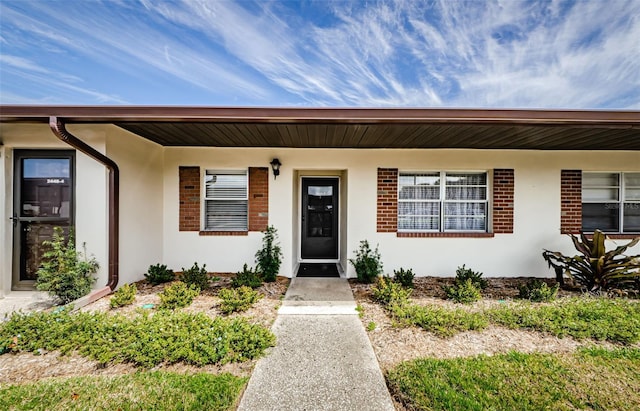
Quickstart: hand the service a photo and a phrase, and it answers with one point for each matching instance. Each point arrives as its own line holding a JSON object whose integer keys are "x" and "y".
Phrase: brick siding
{"x": 503, "y": 190}
{"x": 571, "y": 201}
{"x": 225, "y": 233}
{"x": 258, "y": 198}
{"x": 387, "y": 220}
{"x": 189, "y": 214}
{"x": 503, "y": 200}
{"x": 445, "y": 235}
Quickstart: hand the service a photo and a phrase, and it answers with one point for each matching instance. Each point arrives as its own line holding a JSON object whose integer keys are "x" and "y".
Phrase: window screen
{"x": 226, "y": 198}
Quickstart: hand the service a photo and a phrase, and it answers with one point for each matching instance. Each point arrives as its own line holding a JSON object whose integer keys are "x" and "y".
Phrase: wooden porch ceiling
{"x": 478, "y": 136}
{"x": 356, "y": 128}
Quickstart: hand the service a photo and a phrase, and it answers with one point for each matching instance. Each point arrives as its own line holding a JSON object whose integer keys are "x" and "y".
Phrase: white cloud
{"x": 21, "y": 63}
{"x": 384, "y": 53}
{"x": 133, "y": 46}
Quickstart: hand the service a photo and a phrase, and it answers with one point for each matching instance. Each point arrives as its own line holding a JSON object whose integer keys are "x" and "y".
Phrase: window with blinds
{"x": 226, "y": 200}
{"x": 611, "y": 202}
{"x": 442, "y": 201}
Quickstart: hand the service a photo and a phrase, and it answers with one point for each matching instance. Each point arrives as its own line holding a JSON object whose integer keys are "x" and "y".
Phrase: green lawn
{"x": 140, "y": 391}
{"x": 593, "y": 379}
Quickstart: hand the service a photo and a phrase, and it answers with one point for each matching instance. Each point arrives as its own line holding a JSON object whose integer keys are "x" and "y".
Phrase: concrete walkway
{"x": 323, "y": 359}
{"x": 25, "y": 301}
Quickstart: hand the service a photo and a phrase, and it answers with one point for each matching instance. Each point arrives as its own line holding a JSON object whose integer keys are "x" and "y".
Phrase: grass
{"x": 610, "y": 319}
{"x": 615, "y": 320}
{"x": 443, "y": 322}
{"x": 140, "y": 391}
{"x": 589, "y": 379}
{"x": 145, "y": 340}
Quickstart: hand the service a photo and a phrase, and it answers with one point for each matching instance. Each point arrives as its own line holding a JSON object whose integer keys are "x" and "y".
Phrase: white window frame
{"x": 443, "y": 201}
{"x": 207, "y": 199}
{"x": 620, "y": 203}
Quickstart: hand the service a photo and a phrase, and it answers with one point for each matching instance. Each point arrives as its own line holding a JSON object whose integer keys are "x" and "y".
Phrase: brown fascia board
{"x": 126, "y": 114}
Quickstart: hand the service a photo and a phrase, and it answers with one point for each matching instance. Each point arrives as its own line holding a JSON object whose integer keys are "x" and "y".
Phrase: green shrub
{"x": 367, "y": 263}
{"x": 463, "y": 274}
{"x": 124, "y": 295}
{"x": 269, "y": 257}
{"x": 237, "y": 299}
{"x": 538, "y": 291}
{"x": 404, "y": 277}
{"x": 158, "y": 274}
{"x": 178, "y": 295}
{"x": 596, "y": 268}
{"x": 371, "y": 326}
{"x": 441, "y": 321}
{"x": 196, "y": 276}
{"x": 65, "y": 272}
{"x": 386, "y": 292}
{"x": 465, "y": 292}
{"x": 247, "y": 277}
{"x": 144, "y": 340}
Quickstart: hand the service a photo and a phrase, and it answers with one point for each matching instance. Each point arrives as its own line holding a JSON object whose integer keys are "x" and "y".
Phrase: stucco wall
{"x": 141, "y": 201}
{"x": 149, "y": 203}
{"x": 140, "y": 163}
{"x": 537, "y": 207}
{"x": 5, "y": 232}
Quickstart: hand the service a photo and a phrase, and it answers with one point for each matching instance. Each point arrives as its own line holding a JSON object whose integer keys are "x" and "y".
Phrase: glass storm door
{"x": 319, "y": 237}
{"x": 43, "y": 199}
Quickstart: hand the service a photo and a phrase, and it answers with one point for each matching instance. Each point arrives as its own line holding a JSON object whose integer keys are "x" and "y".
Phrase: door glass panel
{"x": 46, "y": 168}
{"x": 46, "y": 187}
{"x": 320, "y": 211}
{"x": 34, "y": 234}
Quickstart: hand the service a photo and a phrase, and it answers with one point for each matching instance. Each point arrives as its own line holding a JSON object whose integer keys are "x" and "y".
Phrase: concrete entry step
{"x": 318, "y": 296}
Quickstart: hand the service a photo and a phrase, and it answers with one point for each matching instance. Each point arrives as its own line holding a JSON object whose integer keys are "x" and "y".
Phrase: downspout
{"x": 58, "y": 128}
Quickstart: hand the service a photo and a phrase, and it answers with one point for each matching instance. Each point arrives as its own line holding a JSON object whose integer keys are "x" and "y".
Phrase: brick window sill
{"x": 444, "y": 235}
{"x": 223, "y": 233}
{"x": 617, "y": 236}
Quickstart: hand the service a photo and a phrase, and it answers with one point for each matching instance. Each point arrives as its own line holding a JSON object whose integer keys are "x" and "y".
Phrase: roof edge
{"x": 128, "y": 114}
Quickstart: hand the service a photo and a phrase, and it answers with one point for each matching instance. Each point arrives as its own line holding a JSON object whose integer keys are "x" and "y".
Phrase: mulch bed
{"x": 499, "y": 288}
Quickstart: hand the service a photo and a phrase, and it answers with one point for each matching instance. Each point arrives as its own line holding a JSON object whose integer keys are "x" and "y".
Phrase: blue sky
{"x": 506, "y": 54}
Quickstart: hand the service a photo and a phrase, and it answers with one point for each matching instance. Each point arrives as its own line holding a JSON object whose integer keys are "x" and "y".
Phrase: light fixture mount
{"x": 275, "y": 166}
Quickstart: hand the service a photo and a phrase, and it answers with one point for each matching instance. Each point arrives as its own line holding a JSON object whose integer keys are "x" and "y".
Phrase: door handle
{"x": 14, "y": 219}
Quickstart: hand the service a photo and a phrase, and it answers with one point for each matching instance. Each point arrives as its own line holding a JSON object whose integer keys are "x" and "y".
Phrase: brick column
{"x": 258, "y": 198}
{"x": 571, "y": 201}
{"x": 503, "y": 190}
{"x": 189, "y": 187}
{"x": 387, "y": 221}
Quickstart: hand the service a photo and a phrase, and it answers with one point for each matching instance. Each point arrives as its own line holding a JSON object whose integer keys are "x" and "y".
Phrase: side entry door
{"x": 43, "y": 199}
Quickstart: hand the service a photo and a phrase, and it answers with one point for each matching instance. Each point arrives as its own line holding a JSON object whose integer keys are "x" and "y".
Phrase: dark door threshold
{"x": 318, "y": 270}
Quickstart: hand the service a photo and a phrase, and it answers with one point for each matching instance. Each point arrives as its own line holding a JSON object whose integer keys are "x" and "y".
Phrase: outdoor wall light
{"x": 275, "y": 166}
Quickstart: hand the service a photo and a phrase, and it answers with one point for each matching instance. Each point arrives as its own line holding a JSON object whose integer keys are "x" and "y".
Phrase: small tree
{"x": 65, "y": 272}
{"x": 466, "y": 286}
{"x": 196, "y": 276}
{"x": 368, "y": 264}
{"x": 269, "y": 257}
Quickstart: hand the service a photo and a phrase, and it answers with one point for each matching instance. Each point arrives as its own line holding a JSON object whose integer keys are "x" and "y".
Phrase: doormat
{"x": 317, "y": 270}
